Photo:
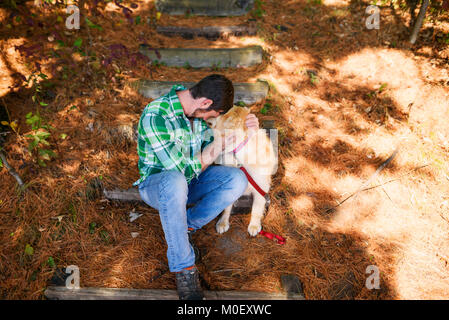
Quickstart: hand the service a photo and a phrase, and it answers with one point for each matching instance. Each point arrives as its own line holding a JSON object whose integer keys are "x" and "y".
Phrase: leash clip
{"x": 269, "y": 235}
{"x": 267, "y": 198}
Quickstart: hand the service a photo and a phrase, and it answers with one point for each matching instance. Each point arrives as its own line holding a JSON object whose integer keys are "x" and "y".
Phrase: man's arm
{"x": 155, "y": 131}
{"x": 213, "y": 150}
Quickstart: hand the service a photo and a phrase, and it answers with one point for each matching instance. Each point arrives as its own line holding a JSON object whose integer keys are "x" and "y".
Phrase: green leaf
{"x": 43, "y": 104}
{"x": 266, "y": 107}
{"x": 93, "y": 25}
{"x": 32, "y": 145}
{"x": 63, "y": 136}
{"x": 29, "y": 250}
{"x": 51, "y": 262}
{"x": 105, "y": 235}
{"x": 46, "y": 154}
{"x": 92, "y": 227}
{"x": 78, "y": 43}
{"x": 138, "y": 20}
{"x": 43, "y": 134}
{"x": 41, "y": 163}
{"x": 60, "y": 43}
{"x": 382, "y": 87}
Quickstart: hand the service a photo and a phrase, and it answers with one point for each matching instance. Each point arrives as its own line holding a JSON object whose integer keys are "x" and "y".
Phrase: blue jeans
{"x": 215, "y": 189}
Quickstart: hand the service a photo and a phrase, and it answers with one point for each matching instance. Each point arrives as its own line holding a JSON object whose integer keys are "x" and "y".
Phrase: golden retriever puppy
{"x": 252, "y": 150}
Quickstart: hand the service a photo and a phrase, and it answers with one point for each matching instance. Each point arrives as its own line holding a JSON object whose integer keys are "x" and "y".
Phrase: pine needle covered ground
{"x": 343, "y": 97}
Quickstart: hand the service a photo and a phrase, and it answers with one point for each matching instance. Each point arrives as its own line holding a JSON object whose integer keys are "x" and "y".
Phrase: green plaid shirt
{"x": 166, "y": 140}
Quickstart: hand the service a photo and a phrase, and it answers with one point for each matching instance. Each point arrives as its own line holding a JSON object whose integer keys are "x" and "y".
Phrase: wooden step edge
{"x": 217, "y": 8}
{"x": 204, "y": 57}
{"x": 90, "y": 293}
{"x": 209, "y": 32}
{"x": 249, "y": 93}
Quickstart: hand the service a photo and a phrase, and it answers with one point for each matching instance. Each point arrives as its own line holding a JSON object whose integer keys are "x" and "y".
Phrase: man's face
{"x": 204, "y": 114}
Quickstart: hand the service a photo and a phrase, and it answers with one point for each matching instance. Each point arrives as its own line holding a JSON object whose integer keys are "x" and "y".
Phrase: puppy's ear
{"x": 211, "y": 122}
{"x": 252, "y": 109}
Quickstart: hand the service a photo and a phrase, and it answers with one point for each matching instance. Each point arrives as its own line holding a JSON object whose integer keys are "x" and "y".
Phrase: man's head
{"x": 211, "y": 96}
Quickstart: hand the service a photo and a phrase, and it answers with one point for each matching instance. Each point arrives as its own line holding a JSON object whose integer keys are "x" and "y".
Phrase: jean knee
{"x": 174, "y": 184}
{"x": 239, "y": 180}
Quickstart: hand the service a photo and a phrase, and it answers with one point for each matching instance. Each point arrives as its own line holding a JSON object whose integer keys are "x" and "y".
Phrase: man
{"x": 175, "y": 148}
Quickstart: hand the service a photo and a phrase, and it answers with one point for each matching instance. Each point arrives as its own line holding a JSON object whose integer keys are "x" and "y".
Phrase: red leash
{"x": 269, "y": 235}
{"x": 254, "y": 184}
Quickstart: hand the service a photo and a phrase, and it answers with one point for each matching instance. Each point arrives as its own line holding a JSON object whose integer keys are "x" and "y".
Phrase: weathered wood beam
{"x": 249, "y": 93}
{"x": 62, "y": 293}
{"x": 209, "y": 32}
{"x": 205, "y": 7}
{"x": 241, "y": 206}
{"x": 205, "y": 57}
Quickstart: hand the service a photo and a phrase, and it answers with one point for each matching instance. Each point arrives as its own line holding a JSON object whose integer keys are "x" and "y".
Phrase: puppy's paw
{"x": 254, "y": 229}
{"x": 222, "y": 226}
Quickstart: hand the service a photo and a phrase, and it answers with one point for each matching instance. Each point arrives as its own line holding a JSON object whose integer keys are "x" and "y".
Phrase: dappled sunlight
{"x": 343, "y": 99}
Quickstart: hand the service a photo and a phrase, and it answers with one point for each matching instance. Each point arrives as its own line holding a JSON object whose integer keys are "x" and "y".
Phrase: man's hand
{"x": 213, "y": 150}
{"x": 252, "y": 123}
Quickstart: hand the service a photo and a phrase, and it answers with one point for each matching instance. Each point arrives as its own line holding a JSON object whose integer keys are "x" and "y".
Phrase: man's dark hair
{"x": 218, "y": 88}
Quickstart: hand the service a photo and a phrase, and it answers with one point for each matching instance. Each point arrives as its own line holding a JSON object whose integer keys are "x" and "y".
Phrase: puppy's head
{"x": 233, "y": 119}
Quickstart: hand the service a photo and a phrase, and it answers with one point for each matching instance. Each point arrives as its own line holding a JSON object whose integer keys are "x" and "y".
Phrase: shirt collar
{"x": 174, "y": 100}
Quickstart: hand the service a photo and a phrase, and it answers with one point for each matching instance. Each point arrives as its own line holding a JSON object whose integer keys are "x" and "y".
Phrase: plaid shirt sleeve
{"x": 159, "y": 134}
{"x": 208, "y": 137}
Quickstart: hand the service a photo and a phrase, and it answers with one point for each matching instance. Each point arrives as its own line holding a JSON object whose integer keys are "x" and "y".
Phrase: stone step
{"x": 204, "y": 58}
{"x": 219, "y": 8}
{"x": 210, "y": 32}
{"x": 249, "y": 93}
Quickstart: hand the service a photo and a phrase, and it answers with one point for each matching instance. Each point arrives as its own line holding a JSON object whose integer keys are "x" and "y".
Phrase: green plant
{"x": 187, "y": 65}
{"x": 313, "y": 78}
{"x": 382, "y": 87}
{"x": 92, "y": 227}
{"x": 13, "y": 125}
{"x": 38, "y": 138}
{"x": 36, "y": 79}
{"x": 29, "y": 250}
{"x": 258, "y": 11}
{"x": 51, "y": 262}
{"x": 92, "y": 25}
{"x": 105, "y": 236}
{"x": 216, "y": 66}
{"x": 266, "y": 108}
